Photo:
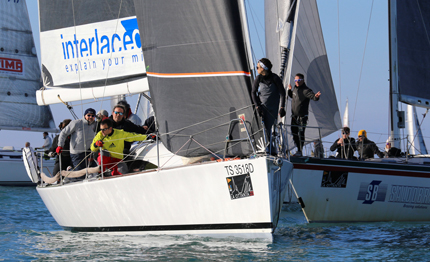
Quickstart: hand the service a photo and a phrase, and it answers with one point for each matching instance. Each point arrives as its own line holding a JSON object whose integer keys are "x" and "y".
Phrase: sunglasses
{"x": 104, "y": 129}
{"x": 90, "y": 115}
{"x": 345, "y": 133}
{"x": 297, "y": 80}
{"x": 360, "y": 136}
{"x": 116, "y": 113}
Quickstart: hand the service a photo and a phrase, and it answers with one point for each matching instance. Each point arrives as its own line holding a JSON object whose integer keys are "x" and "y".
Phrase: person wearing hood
{"x": 367, "y": 148}
{"x": 81, "y": 132}
{"x": 268, "y": 95}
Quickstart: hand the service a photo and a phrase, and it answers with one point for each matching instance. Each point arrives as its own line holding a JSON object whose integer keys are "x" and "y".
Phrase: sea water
{"x": 29, "y": 232}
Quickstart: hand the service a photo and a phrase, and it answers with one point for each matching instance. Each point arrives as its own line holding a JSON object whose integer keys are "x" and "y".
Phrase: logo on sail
{"x": 11, "y": 65}
{"x": 373, "y": 191}
{"x": 90, "y": 52}
{"x": 97, "y": 43}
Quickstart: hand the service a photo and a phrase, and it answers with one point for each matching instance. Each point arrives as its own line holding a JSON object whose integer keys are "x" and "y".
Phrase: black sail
{"x": 198, "y": 73}
{"x": 413, "y": 52}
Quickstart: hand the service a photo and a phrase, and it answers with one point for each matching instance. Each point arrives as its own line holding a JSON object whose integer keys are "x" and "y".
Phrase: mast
{"x": 394, "y": 89}
{"x": 246, "y": 34}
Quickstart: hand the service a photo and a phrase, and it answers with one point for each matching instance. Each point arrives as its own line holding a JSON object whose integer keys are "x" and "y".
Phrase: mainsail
{"x": 307, "y": 55}
{"x": 198, "y": 74}
{"x": 88, "y": 54}
{"x": 413, "y": 51}
{"x": 20, "y": 73}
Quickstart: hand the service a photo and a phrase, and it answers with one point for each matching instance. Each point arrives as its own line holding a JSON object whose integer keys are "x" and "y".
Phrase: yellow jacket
{"x": 114, "y": 143}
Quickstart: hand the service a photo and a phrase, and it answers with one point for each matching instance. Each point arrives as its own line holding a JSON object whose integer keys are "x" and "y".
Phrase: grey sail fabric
{"x": 309, "y": 57}
{"x": 277, "y": 30}
{"x": 90, "y": 43}
{"x": 20, "y": 73}
{"x": 198, "y": 74}
{"x": 413, "y": 51}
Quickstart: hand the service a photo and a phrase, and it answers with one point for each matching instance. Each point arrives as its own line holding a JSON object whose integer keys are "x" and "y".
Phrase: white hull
{"x": 190, "y": 199}
{"x": 356, "y": 191}
{"x": 13, "y": 173}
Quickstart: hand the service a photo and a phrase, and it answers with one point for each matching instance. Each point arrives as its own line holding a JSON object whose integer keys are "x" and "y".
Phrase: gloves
{"x": 59, "y": 150}
{"x": 51, "y": 154}
{"x": 260, "y": 111}
{"x": 282, "y": 112}
{"x": 99, "y": 143}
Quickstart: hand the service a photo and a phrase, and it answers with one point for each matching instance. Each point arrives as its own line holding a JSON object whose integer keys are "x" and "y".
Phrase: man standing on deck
{"x": 300, "y": 98}
{"x": 268, "y": 95}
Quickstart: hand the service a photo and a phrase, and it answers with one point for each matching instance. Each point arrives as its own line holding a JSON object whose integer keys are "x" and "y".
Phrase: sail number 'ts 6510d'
{"x": 239, "y": 169}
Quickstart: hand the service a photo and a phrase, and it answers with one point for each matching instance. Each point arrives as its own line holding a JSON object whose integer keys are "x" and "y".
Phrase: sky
{"x": 356, "y": 38}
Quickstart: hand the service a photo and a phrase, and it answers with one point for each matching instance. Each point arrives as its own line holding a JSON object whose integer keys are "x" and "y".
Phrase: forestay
{"x": 198, "y": 73}
{"x": 87, "y": 54}
{"x": 307, "y": 55}
{"x": 20, "y": 73}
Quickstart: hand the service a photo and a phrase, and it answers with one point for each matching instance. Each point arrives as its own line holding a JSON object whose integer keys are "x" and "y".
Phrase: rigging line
{"x": 418, "y": 128}
{"x": 254, "y": 73}
{"x": 212, "y": 153}
{"x": 362, "y": 63}
{"x": 208, "y": 120}
{"x": 338, "y": 53}
{"x": 254, "y": 17}
{"x": 79, "y": 73}
{"x": 159, "y": 168}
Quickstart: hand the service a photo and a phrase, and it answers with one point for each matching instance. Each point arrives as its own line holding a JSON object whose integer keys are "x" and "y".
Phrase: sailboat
{"x": 197, "y": 66}
{"x": 19, "y": 80}
{"x": 387, "y": 189}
